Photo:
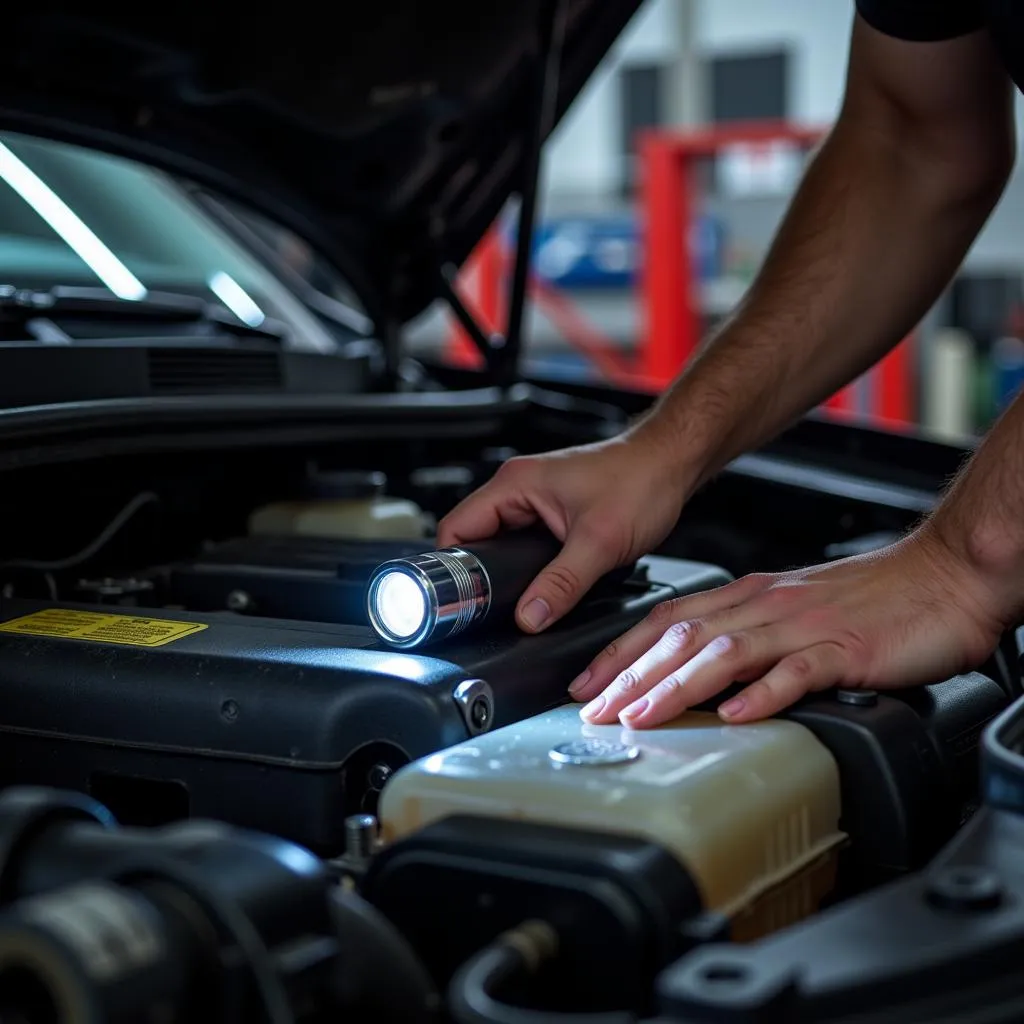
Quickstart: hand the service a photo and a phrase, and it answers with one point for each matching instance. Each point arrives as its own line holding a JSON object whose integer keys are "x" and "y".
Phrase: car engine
{"x": 436, "y": 815}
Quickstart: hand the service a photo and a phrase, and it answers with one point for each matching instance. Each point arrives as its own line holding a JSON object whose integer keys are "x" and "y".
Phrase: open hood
{"x": 388, "y": 133}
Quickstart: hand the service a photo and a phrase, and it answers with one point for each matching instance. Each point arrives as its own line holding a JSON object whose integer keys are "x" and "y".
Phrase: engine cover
{"x": 282, "y": 726}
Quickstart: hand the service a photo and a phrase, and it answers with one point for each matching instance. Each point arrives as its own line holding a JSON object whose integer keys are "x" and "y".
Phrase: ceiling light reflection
{"x": 236, "y": 298}
{"x": 75, "y": 232}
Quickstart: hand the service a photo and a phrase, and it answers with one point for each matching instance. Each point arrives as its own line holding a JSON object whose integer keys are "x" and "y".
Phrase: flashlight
{"x": 414, "y": 600}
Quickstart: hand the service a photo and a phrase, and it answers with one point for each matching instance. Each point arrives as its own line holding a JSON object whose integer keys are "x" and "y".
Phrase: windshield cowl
{"x": 27, "y": 314}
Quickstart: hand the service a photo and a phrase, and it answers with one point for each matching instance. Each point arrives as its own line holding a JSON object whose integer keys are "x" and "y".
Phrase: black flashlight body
{"x": 464, "y": 585}
{"x": 511, "y": 561}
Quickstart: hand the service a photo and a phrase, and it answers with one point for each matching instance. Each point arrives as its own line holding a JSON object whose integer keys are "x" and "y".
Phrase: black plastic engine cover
{"x": 280, "y": 726}
{"x": 908, "y": 766}
{"x": 940, "y": 946}
{"x": 318, "y": 580}
{"x": 617, "y": 903}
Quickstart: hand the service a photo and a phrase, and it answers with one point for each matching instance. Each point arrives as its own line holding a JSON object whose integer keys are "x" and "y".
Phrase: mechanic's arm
{"x": 931, "y": 606}
{"x": 914, "y": 165}
{"x": 887, "y": 209}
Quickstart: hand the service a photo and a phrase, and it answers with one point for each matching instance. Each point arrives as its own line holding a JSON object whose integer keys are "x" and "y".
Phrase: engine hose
{"x": 471, "y": 995}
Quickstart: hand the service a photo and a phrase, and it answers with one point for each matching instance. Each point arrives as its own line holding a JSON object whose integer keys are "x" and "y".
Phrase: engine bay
{"x": 216, "y": 662}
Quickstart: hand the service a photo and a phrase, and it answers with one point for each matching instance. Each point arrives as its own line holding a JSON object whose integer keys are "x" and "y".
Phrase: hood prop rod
{"x": 549, "y": 50}
{"x": 487, "y": 347}
{"x": 501, "y": 352}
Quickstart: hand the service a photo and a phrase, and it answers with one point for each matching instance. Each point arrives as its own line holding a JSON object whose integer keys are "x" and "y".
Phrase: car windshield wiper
{"x": 27, "y": 313}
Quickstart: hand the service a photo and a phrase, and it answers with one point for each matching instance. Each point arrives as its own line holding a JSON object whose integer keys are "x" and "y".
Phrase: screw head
{"x": 857, "y": 698}
{"x": 378, "y": 775}
{"x": 965, "y": 888}
{"x": 476, "y": 705}
{"x": 480, "y": 713}
{"x": 239, "y": 601}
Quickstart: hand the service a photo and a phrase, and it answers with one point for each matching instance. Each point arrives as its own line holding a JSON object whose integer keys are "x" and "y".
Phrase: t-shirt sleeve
{"x": 923, "y": 20}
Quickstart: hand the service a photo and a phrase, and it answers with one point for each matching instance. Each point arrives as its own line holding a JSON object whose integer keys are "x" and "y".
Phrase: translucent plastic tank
{"x": 748, "y": 809}
{"x": 340, "y": 506}
{"x": 342, "y": 518}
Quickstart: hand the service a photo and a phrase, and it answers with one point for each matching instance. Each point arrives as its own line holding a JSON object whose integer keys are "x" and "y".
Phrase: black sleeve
{"x": 923, "y": 20}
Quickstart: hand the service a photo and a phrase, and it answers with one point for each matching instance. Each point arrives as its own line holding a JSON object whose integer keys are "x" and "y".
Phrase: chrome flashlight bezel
{"x": 422, "y": 581}
{"x": 456, "y": 591}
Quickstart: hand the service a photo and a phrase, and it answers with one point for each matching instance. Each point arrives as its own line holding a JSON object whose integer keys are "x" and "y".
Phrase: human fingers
{"x": 680, "y": 646}
{"x": 558, "y": 587}
{"x": 720, "y": 663}
{"x": 662, "y": 624}
{"x": 802, "y": 672}
{"x": 484, "y": 513}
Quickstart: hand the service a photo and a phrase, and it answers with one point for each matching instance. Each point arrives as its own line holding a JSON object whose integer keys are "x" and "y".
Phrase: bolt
{"x": 480, "y": 713}
{"x": 965, "y": 888}
{"x": 229, "y": 709}
{"x": 239, "y": 601}
{"x": 857, "y": 698}
{"x": 360, "y": 836}
{"x": 378, "y": 775}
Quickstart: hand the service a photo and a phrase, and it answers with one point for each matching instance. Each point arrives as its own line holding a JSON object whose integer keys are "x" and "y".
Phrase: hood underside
{"x": 389, "y": 134}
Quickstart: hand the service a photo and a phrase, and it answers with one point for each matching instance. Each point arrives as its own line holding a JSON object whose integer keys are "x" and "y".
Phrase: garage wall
{"x": 585, "y": 164}
{"x": 816, "y": 33}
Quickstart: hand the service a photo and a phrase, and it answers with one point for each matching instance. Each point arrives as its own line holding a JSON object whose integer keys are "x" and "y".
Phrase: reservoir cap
{"x": 592, "y": 751}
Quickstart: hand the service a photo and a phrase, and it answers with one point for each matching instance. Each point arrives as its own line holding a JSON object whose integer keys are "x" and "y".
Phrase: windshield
{"x": 71, "y": 216}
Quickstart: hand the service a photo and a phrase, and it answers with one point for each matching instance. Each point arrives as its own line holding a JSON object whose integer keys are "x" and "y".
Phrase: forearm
{"x": 981, "y": 518}
{"x": 872, "y": 236}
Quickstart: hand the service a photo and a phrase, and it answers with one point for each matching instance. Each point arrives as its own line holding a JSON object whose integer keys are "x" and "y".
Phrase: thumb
{"x": 558, "y": 587}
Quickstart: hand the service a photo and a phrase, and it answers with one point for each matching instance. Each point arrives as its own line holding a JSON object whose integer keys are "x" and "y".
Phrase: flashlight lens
{"x": 401, "y": 604}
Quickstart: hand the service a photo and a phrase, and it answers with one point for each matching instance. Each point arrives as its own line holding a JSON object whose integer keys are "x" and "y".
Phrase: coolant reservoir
{"x": 341, "y": 506}
{"x": 749, "y": 810}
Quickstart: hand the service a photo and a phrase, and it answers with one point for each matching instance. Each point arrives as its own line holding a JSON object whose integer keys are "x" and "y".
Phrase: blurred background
{"x": 662, "y": 189}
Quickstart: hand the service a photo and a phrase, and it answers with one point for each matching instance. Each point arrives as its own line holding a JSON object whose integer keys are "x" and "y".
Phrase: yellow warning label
{"x": 131, "y": 630}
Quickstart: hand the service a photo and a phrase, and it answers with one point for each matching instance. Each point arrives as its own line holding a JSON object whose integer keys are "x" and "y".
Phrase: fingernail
{"x": 579, "y": 682}
{"x": 636, "y": 710}
{"x": 535, "y": 614}
{"x": 732, "y": 707}
{"x": 594, "y": 708}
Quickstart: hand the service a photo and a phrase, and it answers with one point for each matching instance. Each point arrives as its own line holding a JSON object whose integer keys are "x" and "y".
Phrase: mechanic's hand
{"x": 909, "y": 614}
{"x": 609, "y": 503}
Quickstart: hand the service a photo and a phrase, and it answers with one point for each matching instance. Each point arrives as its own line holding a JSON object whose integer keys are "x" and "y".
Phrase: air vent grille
{"x": 184, "y": 371}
